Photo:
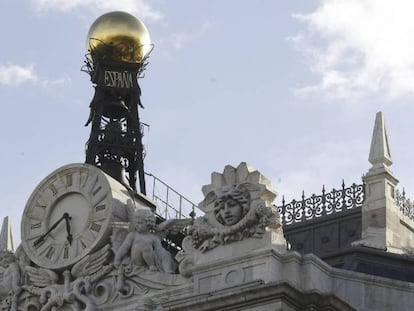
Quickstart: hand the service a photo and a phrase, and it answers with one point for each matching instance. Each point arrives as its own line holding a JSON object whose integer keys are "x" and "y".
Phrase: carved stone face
{"x": 231, "y": 205}
{"x": 144, "y": 221}
{"x": 141, "y": 225}
{"x": 231, "y": 212}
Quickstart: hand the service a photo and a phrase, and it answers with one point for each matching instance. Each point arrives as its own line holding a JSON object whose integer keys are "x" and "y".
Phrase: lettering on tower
{"x": 118, "y": 79}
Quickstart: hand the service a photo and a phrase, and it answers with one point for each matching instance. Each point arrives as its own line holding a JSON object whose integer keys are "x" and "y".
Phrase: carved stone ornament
{"x": 127, "y": 268}
{"x": 237, "y": 207}
{"x": 9, "y": 281}
{"x": 64, "y": 264}
{"x": 138, "y": 250}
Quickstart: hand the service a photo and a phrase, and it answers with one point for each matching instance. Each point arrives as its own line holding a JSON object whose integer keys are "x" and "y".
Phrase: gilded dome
{"x": 118, "y": 36}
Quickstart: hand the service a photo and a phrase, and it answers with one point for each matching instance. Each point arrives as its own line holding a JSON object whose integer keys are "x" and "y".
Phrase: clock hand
{"x": 69, "y": 237}
{"x": 40, "y": 240}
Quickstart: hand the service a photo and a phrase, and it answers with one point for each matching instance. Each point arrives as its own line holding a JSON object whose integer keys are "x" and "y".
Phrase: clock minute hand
{"x": 40, "y": 240}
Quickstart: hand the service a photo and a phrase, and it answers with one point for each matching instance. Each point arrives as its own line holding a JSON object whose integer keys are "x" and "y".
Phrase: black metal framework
{"x": 170, "y": 203}
{"x": 115, "y": 142}
{"x": 327, "y": 203}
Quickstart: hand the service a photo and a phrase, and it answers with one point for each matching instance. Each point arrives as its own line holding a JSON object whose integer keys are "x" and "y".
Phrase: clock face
{"x": 68, "y": 215}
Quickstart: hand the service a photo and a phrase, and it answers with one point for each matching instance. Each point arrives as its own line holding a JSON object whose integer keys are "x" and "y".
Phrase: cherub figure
{"x": 143, "y": 246}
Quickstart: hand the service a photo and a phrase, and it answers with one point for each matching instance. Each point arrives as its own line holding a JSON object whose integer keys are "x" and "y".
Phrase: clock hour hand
{"x": 69, "y": 237}
{"x": 40, "y": 240}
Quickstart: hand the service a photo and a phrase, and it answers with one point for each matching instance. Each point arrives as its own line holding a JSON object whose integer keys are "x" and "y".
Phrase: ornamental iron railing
{"x": 406, "y": 205}
{"x": 170, "y": 203}
{"x": 327, "y": 203}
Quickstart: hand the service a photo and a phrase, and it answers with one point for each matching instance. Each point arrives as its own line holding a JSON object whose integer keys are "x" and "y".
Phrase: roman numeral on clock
{"x": 100, "y": 208}
{"x": 41, "y": 204}
{"x": 50, "y": 252}
{"x": 95, "y": 227}
{"x": 66, "y": 252}
{"x": 69, "y": 180}
{"x": 53, "y": 189}
{"x": 35, "y": 225}
{"x": 95, "y": 192}
{"x": 83, "y": 244}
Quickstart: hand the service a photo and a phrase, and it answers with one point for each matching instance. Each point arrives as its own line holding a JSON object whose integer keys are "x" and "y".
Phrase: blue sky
{"x": 291, "y": 87}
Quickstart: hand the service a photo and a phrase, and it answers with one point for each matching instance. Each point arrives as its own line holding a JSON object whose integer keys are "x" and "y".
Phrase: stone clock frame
{"x": 89, "y": 197}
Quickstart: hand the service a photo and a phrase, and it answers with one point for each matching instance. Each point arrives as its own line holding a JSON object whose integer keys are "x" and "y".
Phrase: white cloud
{"x": 141, "y": 8}
{"x": 57, "y": 85}
{"x": 359, "y": 48}
{"x": 15, "y": 75}
{"x": 180, "y": 39}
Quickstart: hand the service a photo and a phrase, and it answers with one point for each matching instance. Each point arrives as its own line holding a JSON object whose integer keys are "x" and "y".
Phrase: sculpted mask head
{"x": 231, "y": 204}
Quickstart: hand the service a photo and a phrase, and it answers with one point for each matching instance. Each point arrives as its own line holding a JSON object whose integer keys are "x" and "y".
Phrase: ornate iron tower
{"x": 118, "y": 45}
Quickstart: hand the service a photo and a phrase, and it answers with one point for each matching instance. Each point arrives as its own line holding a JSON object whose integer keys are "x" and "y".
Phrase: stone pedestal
{"x": 238, "y": 263}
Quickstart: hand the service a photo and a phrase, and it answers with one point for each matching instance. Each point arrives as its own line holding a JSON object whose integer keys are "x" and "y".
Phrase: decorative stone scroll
{"x": 238, "y": 207}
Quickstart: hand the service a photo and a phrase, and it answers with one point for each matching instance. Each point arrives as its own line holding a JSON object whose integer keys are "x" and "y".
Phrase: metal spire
{"x": 6, "y": 236}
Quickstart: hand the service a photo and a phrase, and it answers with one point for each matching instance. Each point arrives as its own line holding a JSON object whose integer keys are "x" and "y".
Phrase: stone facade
{"x": 234, "y": 257}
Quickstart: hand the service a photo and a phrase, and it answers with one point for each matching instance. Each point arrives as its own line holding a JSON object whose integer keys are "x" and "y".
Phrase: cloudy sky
{"x": 291, "y": 87}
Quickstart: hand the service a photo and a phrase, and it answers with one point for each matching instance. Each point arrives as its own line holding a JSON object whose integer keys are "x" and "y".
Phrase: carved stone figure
{"x": 237, "y": 206}
{"x": 234, "y": 220}
{"x": 142, "y": 245}
{"x": 139, "y": 251}
{"x": 231, "y": 204}
{"x": 9, "y": 279}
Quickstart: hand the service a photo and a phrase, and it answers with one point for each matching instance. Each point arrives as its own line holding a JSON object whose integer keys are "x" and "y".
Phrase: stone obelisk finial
{"x": 379, "y": 222}
{"x": 6, "y": 236}
{"x": 380, "y": 155}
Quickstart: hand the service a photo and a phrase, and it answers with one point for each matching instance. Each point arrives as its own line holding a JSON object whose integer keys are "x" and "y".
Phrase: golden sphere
{"x": 118, "y": 36}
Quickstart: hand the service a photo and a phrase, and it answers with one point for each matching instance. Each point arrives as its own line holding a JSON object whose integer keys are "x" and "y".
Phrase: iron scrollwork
{"x": 316, "y": 206}
{"x": 406, "y": 205}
